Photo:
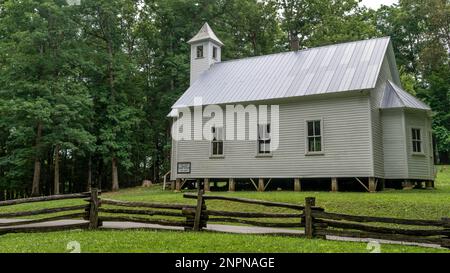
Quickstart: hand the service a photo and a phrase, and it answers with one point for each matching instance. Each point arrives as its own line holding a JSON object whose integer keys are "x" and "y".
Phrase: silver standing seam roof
{"x": 327, "y": 69}
{"x": 395, "y": 97}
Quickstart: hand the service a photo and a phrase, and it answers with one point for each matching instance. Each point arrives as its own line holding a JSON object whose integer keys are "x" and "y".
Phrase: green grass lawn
{"x": 176, "y": 242}
{"x": 413, "y": 204}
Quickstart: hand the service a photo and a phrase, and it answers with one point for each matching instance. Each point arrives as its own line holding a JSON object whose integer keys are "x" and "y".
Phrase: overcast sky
{"x": 375, "y": 4}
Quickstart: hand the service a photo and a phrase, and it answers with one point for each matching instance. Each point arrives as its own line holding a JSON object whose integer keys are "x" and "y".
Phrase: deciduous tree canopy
{"x": 85, "y": 89}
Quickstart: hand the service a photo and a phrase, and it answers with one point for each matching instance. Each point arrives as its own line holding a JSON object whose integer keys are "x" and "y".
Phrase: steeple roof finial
{"x": 205, "y": 33}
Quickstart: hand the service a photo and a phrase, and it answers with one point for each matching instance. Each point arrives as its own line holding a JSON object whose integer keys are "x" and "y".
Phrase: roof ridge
{"x": 305, "y": 49}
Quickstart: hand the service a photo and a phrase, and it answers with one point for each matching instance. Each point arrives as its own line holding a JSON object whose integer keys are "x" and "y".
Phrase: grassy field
{"x": 188, "y": 242}
{"x": 414, "y": 204}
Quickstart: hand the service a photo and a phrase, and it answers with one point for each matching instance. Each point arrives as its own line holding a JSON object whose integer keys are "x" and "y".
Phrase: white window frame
{"x": 212, "y": 142}
{"x": 197, "y": 50}
{"x": 258, "y": 153}
{"x": 421, "y": 140}
{"x": 214, "y": 50}
{"x": 322, "y": 142}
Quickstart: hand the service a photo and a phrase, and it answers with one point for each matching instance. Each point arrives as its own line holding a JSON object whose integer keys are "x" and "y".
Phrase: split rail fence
{"x": 13, "y": 222}
{"x": 316, "y": 222}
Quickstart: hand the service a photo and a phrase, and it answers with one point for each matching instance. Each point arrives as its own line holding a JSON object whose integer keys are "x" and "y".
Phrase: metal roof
{"x": 205, "y": 33}
{"x": 328, "y": 69}
{"x": 395, "y": 97}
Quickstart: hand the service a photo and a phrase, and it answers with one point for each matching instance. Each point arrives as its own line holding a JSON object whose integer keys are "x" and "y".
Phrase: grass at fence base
{"x": 412, "y": 204}
{"x": 176, "y": 242}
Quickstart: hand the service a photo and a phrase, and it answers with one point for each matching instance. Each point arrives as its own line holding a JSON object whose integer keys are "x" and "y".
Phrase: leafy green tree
{"x": 249, "y": 28}
{"x": 420, "y": 31}
{"x": 43, "y": 102}
{"x": 108, "y": 27}
{"x": 310, "y": 23}
{"x": 85, "y": 89}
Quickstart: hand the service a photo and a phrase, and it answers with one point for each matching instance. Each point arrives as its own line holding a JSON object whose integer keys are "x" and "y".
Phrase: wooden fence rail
{"x": 252, "y": 214}
{"x": 42, "y": 211}
{"x": 247, "y": 201}
{"x": 368, "y": 219}
{"x": 342, "y": 225}
{"x": 143, "y": 212}
{"x": 145, "y": 204}
{"x": 44, "y": 198}
{"x": 71, "y": 212}
{"x": 319, "y": 224}
{"x": 316, "y": 222}
{"x": 216, "y": 216}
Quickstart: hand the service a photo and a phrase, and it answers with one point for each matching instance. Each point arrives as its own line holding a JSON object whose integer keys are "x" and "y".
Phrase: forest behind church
{"x": 85, "y": 89}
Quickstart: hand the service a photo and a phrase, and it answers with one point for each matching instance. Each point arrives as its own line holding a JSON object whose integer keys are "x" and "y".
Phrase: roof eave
{"x": 363, "y": 91}
{"x": 193, "y": 41}
{"x": 406, "y": 108}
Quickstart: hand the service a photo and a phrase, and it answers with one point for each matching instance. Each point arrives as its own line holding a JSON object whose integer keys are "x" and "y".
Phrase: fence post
{"x": 309, "y": 225}
{"x": 446, "y": 240}
{"x": 93, "y": 210}
{"x": 190, "y": 218}
{"x": 198, "y": 211}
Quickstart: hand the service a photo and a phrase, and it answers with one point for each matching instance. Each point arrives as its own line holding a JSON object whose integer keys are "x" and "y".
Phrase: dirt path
{"x": 213, "y": 228}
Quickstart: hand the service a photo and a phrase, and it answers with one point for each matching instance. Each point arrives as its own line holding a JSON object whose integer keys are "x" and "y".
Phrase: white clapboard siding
{"x": 395, "y": 160}
{"x": 346, "y": 145}
{"x": 376, "y": 96}
{"x": 198, "y": 66}
{"x": 419, "y": 166}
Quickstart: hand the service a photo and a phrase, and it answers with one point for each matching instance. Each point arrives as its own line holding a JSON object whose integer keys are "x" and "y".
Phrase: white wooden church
{"x": 343, "y": 115}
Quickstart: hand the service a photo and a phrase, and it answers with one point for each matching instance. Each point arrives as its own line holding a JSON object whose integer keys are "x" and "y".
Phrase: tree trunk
{"x": 157, "y": 163}
{"x": 72, "y": 177}
{"x": 111, "y": 71}
{"x": 89, "y": 182}
{"x": 115, "y": 176}
{"x": 100, "y": 176}
{"x": 294, "y": 42}
{"x": 56, "y": 178}
{"x": 37, "y": 163}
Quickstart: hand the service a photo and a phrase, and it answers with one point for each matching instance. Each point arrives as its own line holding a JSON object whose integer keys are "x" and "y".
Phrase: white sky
{"x": 375, "y": 4}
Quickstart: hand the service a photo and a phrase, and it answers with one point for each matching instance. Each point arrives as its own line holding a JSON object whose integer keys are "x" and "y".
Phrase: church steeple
{"x": 205, "y": 33}
{"x": 206, "y": 49}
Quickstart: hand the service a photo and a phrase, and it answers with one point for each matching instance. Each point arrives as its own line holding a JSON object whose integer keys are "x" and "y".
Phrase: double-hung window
{"x": 214, "y": 53}
{"x": 264, "y": 139}
{"x": 314, "y": 140}
{"x": 199, "y": 51}
{"x": 416, "y": 140}
{"x": 217, "y": 141}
